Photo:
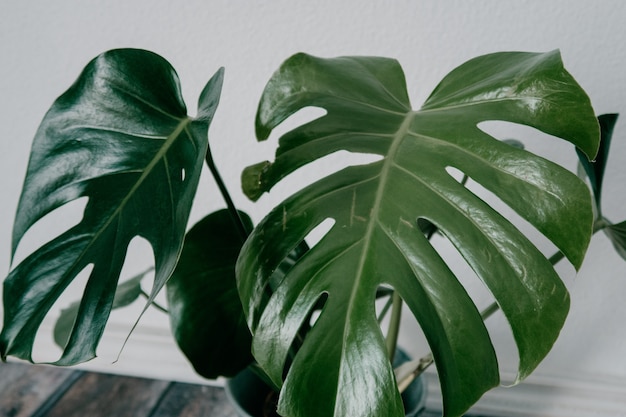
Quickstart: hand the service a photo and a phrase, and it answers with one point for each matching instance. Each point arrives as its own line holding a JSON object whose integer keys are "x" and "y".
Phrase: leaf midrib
{"x": 147, "y": 171}
{"x": 169, "y": 141}
{"x": 117, "y": 86}
{"x": 388, "y": 164}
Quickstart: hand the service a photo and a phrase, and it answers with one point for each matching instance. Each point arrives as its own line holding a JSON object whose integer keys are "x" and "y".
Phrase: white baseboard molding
{"x": 547, "y": 396}
{"x": 152, "y": 353}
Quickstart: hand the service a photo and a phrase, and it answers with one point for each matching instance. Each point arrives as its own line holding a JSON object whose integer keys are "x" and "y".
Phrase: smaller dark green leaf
{"x": 205, "y": 312}
{"x": 617, "y": 234}
{"x": 125, "y": 294}
{"x": 119, "y": 136}
{"x": 595, "y": 169}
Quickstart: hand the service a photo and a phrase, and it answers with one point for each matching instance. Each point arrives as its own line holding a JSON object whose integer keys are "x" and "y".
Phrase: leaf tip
{"x": 262, "y": 131}
{"x": 252, "y": 181}
{"x": 210, "y": 96}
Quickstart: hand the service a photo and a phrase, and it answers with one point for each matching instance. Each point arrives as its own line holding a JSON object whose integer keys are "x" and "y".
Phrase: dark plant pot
{"x": 248, "y": 394}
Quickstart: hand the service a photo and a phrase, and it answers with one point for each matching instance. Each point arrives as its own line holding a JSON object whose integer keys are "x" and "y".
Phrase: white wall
{"x": 44, "y": 45}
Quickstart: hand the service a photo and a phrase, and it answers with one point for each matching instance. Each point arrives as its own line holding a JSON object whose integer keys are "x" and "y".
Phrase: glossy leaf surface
{"x": 341, "y": 368}
{"x": 120, "y": 136}
{"x": 205, "y": 310}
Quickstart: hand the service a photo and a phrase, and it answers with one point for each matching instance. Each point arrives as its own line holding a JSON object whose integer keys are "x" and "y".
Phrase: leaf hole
{"x": 533, "y": 140}
{"x": 312, "y": 171}
{"x": 318, "y": 232}
{"x": 316, "y": 311}
{"x": 139, "y": 258}
{"x": 455, "y": 173}
{"x": 311, "y": 240}
{"x": 459, "y": 267}
{"x": 498, "y": 327}
{"x": 307, "y": 324}
{"x": 504, "y": 210}
{"x": 45, "y": 349}
{"x": 122, "y": 321}
{"x": 301, "y": 117}
{"x": 536, "y": 237}
{"x": 49, "y": 227}
{"x": 382, "y": 305}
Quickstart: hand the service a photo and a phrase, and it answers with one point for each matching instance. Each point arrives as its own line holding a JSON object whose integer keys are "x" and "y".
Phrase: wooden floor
{"x": 44, "y": 391}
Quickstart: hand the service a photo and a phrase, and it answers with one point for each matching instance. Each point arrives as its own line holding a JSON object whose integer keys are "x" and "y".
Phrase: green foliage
{"x": 379, "y": 211}
{"x": 121, "y": 137}
{"x": 204, "y": 307}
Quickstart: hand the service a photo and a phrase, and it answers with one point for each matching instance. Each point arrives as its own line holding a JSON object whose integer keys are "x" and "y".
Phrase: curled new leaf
{"x": 594, "y": 169}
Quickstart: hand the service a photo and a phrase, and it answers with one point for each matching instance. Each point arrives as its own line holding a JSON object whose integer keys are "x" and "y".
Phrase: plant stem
{"x": 420, "y": 365}
{"x": 488, "y": 312}
{"x": 394, "y": 325}
{"x": 242, "y": 229}
{"x": 407, "y": 372}
{"x": 154, "y": 303}
{"x": 385, "y": 309}
{"x": 554, "y": 259}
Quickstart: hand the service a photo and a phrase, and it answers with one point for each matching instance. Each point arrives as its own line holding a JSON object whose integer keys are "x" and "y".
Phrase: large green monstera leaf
{"x": 341, "y": 368}
{"x": 121, "y": 137}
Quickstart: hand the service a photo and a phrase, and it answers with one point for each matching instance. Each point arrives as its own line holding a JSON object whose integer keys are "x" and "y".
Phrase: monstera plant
{"x": 307, "y": 317}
